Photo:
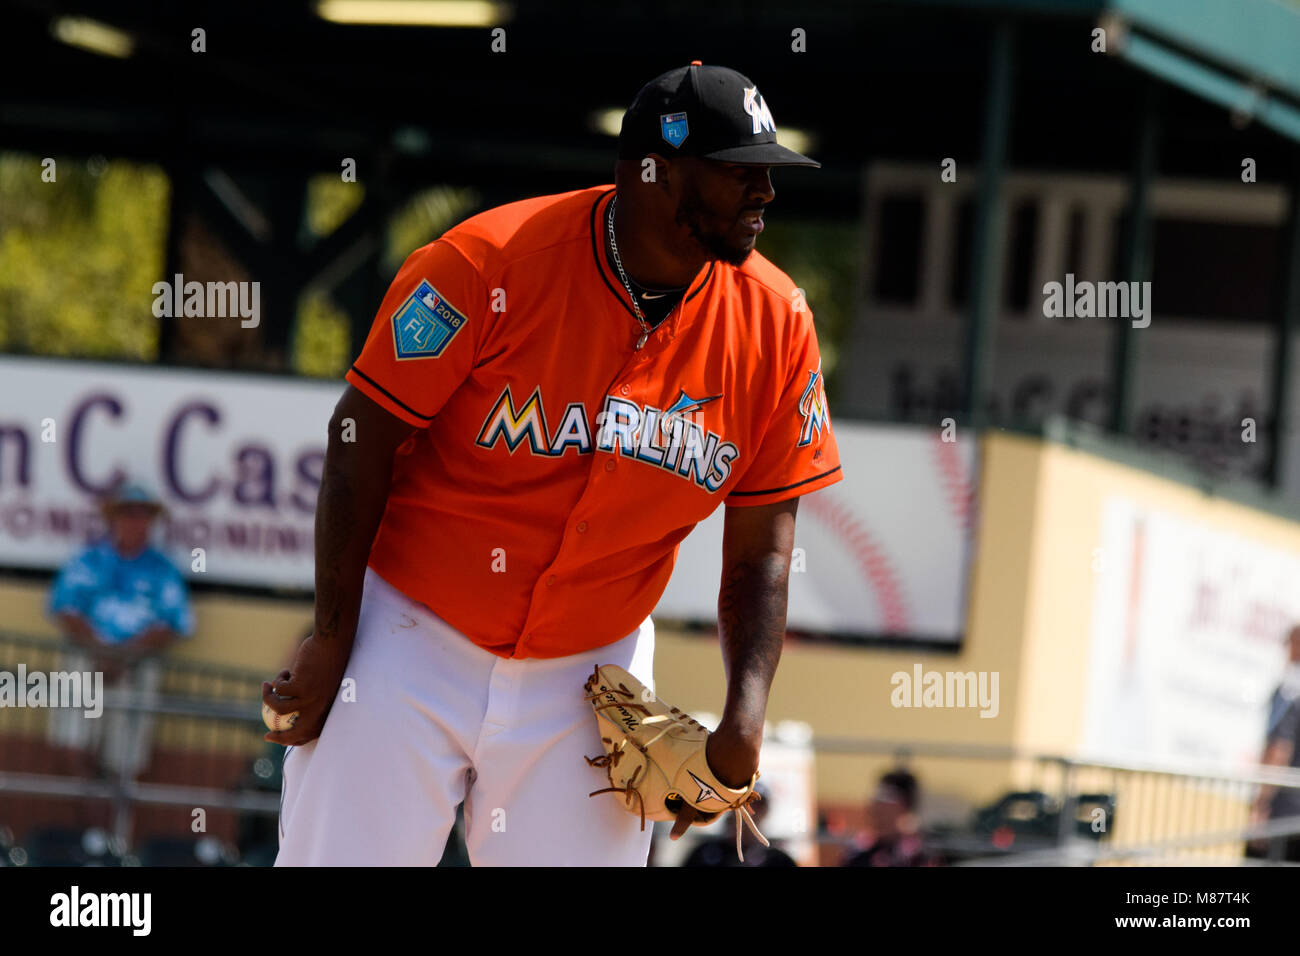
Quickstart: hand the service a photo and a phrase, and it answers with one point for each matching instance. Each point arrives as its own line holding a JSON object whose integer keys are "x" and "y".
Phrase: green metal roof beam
{"x": 1217, "y": 87}
{"x": 1256, "y": 39}
{"x": 1241, "y": 54}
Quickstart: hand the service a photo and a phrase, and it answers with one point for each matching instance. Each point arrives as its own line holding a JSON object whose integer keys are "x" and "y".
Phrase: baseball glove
{"x": 654, "y": 755}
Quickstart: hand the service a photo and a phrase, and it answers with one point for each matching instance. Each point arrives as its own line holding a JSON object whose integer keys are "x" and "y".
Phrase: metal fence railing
{"x": 1062, "y": 810}
{"x": 194, "y": 733}
{"x": 204, "y": 732}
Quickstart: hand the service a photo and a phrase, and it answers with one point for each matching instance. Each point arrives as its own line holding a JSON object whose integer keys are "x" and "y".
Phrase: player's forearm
{"x": 751, "y": 625}
{"x": 353, "y": 492}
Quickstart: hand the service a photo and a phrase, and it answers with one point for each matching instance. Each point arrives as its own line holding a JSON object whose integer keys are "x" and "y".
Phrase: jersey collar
{"x": 599, "y": 209}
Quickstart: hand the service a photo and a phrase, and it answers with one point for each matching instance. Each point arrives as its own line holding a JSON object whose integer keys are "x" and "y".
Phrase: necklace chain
{"x": 636, "y": 307}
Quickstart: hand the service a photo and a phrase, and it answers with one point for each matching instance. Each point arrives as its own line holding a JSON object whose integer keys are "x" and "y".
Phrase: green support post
{"x": 986, "y": 254}
{"x": 1136, "y": 242}
{"x": 1288, "y": 317}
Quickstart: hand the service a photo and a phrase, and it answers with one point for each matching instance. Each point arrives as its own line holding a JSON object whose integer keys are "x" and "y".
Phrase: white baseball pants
{"x": 437, "y": 720}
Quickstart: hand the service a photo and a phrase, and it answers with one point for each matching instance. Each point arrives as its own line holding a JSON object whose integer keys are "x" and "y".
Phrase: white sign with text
{"x": 237, "y": 460}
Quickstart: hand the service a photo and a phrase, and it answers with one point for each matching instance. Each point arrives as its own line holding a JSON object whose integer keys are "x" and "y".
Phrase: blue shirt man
{"x": 123, "y": 597}
{"x": 122, "y": 593}
{"x": 121, "y": 603}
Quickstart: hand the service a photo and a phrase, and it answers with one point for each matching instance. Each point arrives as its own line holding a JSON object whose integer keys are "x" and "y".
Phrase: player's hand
{"x": 733, "y": 758}
{"x": 309, "y": 688}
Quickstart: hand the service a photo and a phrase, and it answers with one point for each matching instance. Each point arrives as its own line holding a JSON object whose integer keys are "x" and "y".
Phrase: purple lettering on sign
{"x": 171, "y": 453}
{"x": 256, "y": 482}
{"x": 20, "y": 522}
{"x": 311, "y": 464}
{"x": 197, "y": 532}
{"x": 79, "y": 415}
{"x": 15, "y": 436}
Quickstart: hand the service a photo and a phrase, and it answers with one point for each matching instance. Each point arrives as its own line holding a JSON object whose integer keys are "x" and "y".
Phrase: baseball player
{"x": 552, "y": 395}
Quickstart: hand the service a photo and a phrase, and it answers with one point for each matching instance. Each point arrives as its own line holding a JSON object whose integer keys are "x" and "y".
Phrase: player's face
{"x": 721, "y": 206}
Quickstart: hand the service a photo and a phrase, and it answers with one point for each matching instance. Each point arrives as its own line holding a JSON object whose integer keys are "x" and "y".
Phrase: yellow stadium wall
{"x": 1048, "y": 699}
{"x": 232, "y": 630}
{"x": 1068, "y": 502}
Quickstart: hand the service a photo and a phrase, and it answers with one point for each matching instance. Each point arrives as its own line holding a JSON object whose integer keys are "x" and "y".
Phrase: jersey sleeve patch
{"x": 425, "y": 324}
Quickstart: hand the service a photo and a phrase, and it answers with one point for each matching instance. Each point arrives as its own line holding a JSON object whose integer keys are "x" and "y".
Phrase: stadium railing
{"x": 208, "y": 752}
{"x": 1077, "y": 811}
{"x": 204, "y": 747}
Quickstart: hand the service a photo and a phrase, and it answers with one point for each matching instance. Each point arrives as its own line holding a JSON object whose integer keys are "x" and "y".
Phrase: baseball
{"x": 276, "y": 721}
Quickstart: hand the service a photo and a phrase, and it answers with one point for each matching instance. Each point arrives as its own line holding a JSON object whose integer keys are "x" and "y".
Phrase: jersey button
{"x": 550, "y": 580}
{"x": 582, "y": 526}
{"x": 609, "y": 465}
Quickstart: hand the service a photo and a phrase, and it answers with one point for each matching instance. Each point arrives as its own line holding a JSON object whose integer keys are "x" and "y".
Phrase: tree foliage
{"x": 79, "y": 257}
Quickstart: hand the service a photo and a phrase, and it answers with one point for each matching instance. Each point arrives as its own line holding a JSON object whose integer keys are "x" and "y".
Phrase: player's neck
{"x": 647, "y": 257}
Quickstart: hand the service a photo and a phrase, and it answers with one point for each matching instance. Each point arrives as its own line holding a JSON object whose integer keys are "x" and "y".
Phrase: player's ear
{"x": 655, "y": 169}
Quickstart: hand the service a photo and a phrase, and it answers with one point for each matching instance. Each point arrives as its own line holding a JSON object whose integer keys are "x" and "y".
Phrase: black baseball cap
{"x": 710, "y": 112}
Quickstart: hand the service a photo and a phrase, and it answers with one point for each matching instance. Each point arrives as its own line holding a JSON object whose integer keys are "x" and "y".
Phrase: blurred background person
{"x": 120, "y": 603}
{"x": 892, "y": 836}
{"x": 721, "y": 851}
{"x": 1281, "y": 749}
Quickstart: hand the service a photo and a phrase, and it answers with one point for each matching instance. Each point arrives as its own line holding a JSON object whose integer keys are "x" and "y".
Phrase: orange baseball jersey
{"x": 539, "y": 508}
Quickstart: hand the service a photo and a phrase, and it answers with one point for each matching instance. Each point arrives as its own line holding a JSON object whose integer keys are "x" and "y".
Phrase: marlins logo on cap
{"x": 730, "y": 121}
{"x": 757, "y": 109}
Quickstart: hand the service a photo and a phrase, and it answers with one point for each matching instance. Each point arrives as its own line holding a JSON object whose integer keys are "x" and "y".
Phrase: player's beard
{"x": 693, "y": 212}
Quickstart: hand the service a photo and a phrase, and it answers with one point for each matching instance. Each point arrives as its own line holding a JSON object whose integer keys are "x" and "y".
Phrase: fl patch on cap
{"x": 710, "y": 112}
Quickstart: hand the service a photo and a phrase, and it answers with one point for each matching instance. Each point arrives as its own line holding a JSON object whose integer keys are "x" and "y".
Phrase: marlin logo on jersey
{"x": 683, "y": 406}
{"x": 812, "y": 406}
{"x": 757, "y": 109}
{"x": 669, "y": 438}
